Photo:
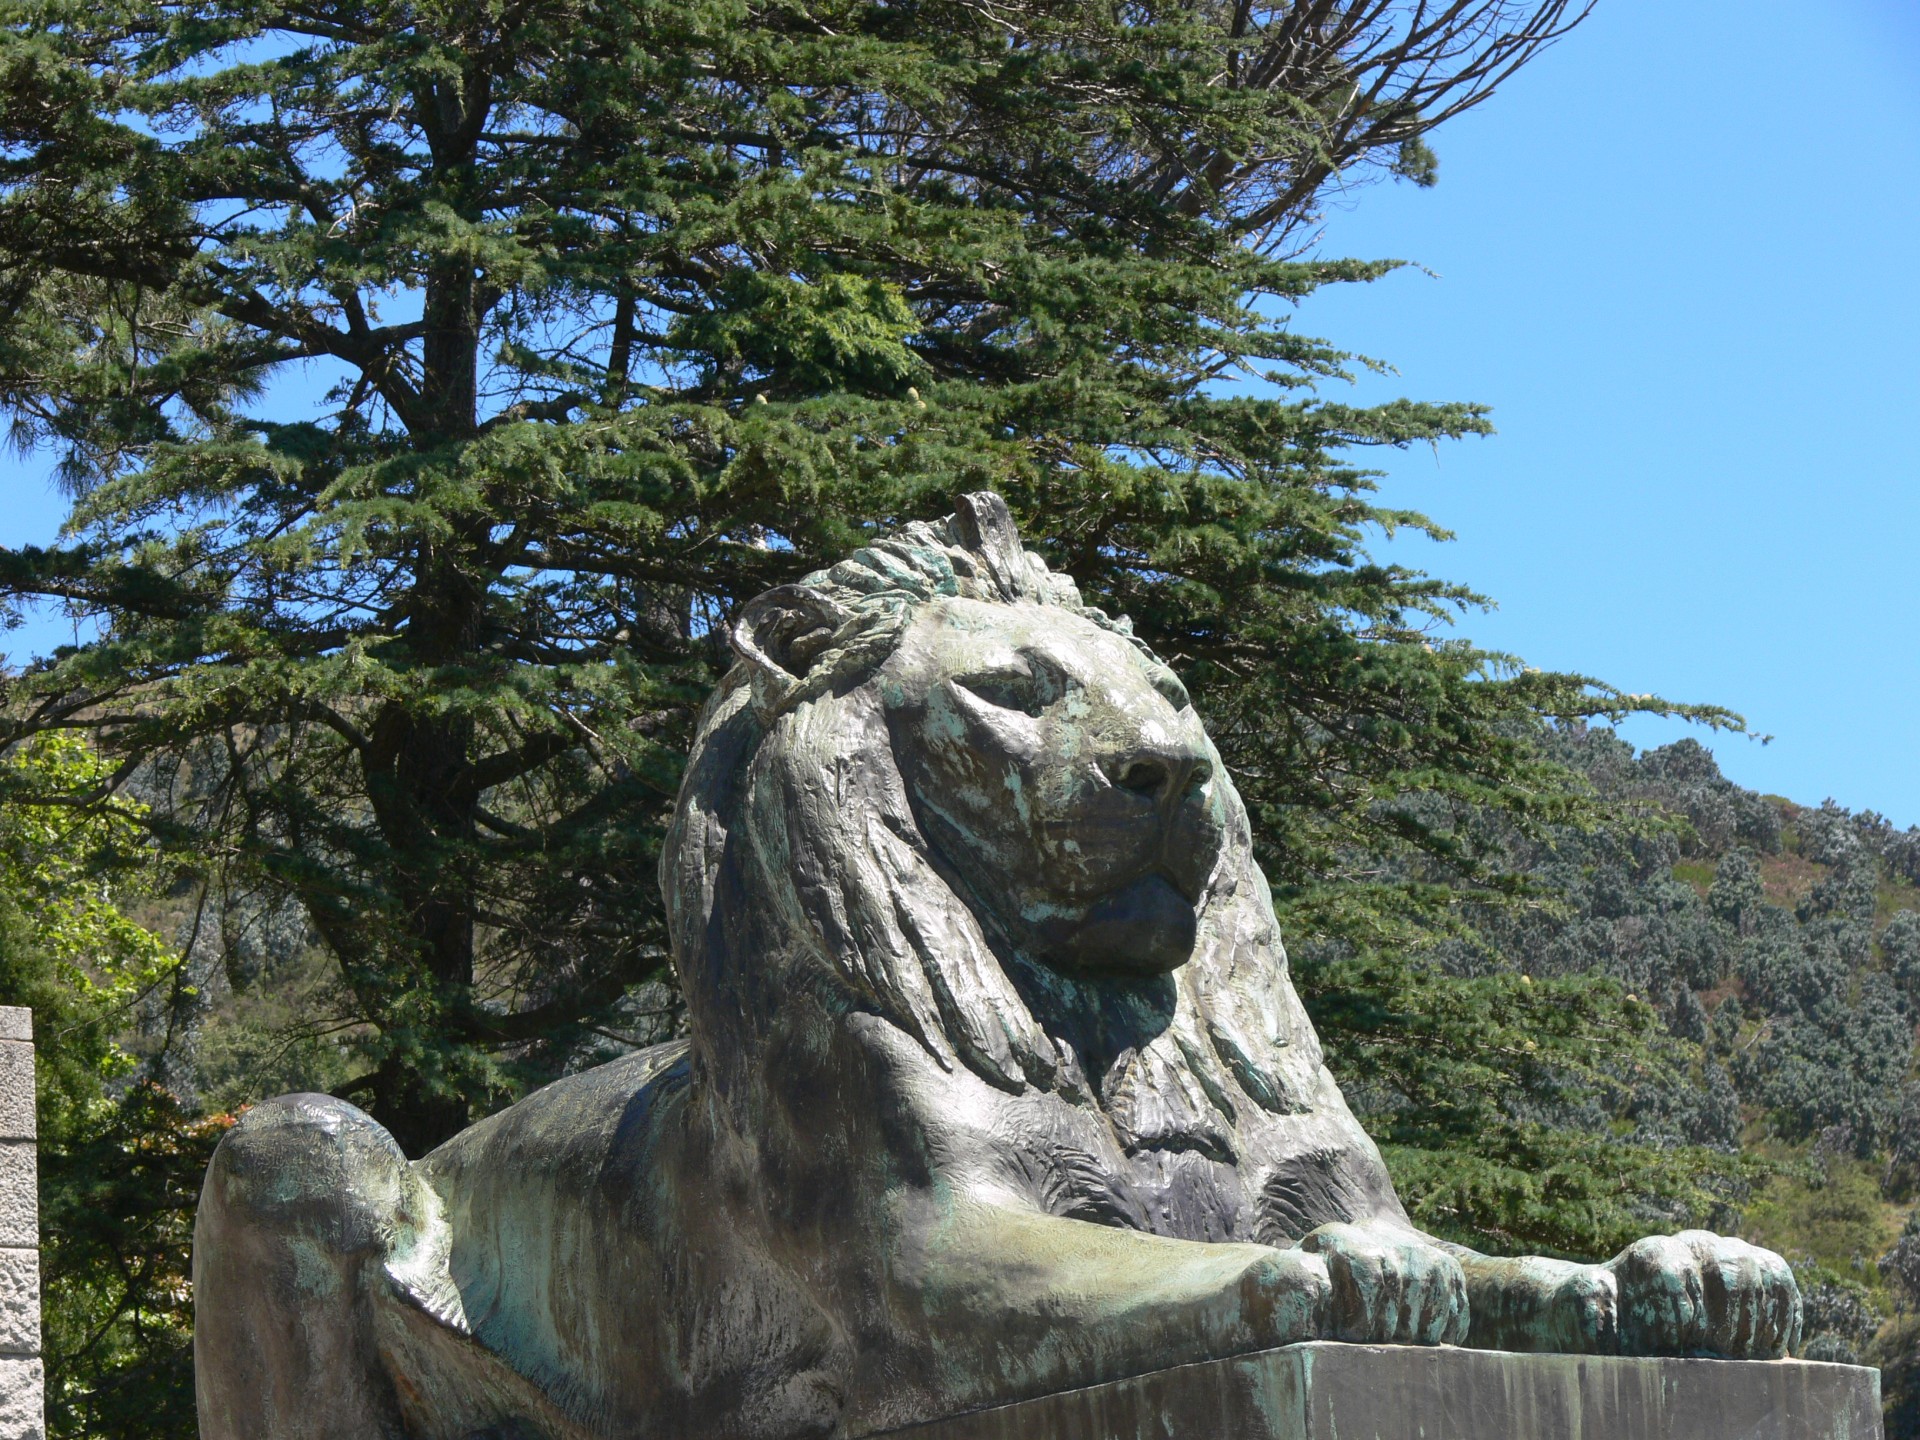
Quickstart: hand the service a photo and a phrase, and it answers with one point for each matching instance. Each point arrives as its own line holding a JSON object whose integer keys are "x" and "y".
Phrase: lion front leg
{"x": 1005, "y": 1303}
{"x": 1693, "y": 1293}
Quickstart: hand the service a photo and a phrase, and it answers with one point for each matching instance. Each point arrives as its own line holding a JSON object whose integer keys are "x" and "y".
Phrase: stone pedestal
{"x": 21, "y": 1380}
{"x": 1325, "y": 1391}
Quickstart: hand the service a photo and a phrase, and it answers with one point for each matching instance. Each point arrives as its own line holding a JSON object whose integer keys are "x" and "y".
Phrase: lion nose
{"x": 1162, "y": 774}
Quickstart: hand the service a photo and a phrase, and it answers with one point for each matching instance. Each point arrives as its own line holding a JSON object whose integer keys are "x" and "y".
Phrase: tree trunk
{"x": 426, "y": 813}
{"x": 420, "y": 761}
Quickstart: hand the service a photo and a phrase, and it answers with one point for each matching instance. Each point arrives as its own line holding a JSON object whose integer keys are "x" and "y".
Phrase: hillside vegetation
{"x": 1778, "y": 946}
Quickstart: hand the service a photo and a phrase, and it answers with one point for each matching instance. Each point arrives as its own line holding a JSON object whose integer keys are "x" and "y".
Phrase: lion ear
{"x": 985, "y": 527}
{"x": 785, "y": 630}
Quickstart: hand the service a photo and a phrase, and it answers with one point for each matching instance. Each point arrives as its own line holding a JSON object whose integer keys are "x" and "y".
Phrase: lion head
{"x": 938, "y": 788}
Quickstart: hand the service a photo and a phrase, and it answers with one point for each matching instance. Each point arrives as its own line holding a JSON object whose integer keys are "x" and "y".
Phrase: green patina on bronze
{"x": 996, "y": 1087}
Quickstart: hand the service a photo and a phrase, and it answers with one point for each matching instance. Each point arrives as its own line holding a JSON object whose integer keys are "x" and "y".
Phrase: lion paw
{"x": 1390, "y": 1287}
{"x": 1583, "y": 1312}
{"x": 1700, "y": 1294}
{"x": 1285, "y": 1297}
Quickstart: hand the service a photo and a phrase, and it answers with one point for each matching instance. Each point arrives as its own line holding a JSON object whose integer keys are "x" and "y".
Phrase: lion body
{"x": 995, "y": 1085}
{"x": 780, "y": 1154}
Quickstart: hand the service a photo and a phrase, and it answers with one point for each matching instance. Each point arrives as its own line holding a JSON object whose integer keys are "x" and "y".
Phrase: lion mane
{"x": 798, "y": 858}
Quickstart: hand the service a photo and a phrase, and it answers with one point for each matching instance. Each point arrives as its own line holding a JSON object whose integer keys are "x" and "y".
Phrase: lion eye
{"x": 1009, "y": 689}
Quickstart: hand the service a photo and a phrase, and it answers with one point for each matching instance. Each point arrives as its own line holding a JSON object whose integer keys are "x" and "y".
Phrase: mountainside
{"x": 1781, "y": 946}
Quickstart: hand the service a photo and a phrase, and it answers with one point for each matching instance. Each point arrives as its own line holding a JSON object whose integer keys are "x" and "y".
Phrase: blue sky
{"x": 1680, "y": 257}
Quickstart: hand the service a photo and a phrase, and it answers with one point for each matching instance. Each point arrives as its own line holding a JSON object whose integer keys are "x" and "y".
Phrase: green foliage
{"x": 1470, "y": 1086}
{"x": 1900, "y": 944}
{"x": 1834, "y": 1219}
{"x": 120, "y": 1158}
{"x": 1897, "y": 1352}
{"x": 118, "y": 1195}
{"x": 272, "y": 1033}
{"x": 1836, "y": 1064}
{"x": 73, "y": 868}
{"x": 1839, "y": 1320}
{"x": 1737, "y": 893}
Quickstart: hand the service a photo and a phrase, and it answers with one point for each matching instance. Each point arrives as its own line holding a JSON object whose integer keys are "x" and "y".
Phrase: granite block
{"x": 19, "y": 1195}
{"x": 1327, "y": 1391}
{"x": 16, "y": 1091}
{"x": 16, "y": 1023}
{"x": 19, "y": 1302}
{"x": 22, "y": 1414}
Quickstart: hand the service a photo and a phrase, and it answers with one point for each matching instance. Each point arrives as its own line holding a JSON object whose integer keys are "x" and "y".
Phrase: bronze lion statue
{"x": 995, "y": 1086}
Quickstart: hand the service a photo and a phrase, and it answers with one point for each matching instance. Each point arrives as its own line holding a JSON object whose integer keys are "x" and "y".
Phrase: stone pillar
{"x": 22, "y": 1381}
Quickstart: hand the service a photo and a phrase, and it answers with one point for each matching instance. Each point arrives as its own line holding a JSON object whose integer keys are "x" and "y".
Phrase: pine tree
{"x": 632, "y": 311}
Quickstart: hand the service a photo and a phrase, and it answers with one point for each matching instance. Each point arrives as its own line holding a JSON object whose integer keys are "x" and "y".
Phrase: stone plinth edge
{"x": 1327, "y": 1391}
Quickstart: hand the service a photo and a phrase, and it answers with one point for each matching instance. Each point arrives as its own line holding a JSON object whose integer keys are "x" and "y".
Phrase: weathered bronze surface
{"x": 996, "y": 1087}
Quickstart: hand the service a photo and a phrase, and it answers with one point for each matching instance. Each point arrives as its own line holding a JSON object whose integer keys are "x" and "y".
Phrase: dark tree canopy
{"x": 631, "y": 311}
